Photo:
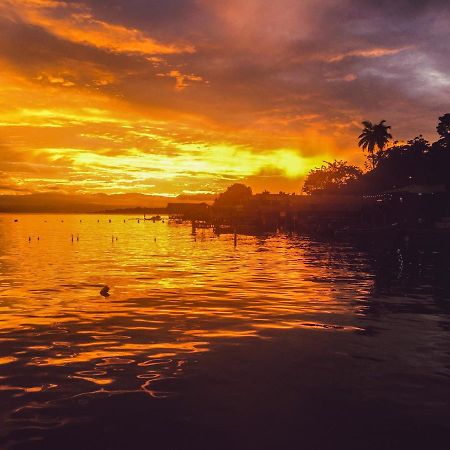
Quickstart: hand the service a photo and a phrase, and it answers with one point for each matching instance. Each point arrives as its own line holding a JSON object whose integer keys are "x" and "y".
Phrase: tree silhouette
{"x": 414, "y": 162}
{"x": 401, "y": 165}
{"x": 374, "y": 135}
{"x": 443, "y": 129}
{"x": 331, "y": 178}
{"x": 418, "y": 146}
{"x": 235, "y": 194}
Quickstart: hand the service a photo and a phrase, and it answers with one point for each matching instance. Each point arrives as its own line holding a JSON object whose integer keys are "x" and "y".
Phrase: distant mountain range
{"x": 90, "y": 203}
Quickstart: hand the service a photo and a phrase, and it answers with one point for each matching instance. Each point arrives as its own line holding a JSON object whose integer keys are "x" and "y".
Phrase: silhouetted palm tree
{"x": 443, "y": 130}
{"x": 374, "y": 135}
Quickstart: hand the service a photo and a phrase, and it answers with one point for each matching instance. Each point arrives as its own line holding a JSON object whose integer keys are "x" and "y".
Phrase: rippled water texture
{"x": 275, "y": 342}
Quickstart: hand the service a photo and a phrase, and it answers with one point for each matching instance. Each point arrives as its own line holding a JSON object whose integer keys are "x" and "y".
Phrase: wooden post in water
{"x": 194, "y": 227}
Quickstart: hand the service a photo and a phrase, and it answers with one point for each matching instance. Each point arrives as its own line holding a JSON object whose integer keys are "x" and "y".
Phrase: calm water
{"x": 279, "y": 342}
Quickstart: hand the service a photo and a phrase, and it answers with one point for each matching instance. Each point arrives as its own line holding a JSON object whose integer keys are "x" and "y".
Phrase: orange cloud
{"x": 181, "y": 80}
{"x": 74, "y": 139}
{"x": 74, "y": 21}
{"x": 191, "y": 95}
{"x": 369, "y": 53}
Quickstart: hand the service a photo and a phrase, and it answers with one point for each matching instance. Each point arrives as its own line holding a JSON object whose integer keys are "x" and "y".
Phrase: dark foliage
{"x": 372, "y": 136}
{"x": 417, "y": 162}
{"x": 235, "y": 194}
{"x": 332, "y": 177}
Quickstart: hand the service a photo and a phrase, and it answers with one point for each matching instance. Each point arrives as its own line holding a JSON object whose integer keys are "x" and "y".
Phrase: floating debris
{"x": 105, "y": 291}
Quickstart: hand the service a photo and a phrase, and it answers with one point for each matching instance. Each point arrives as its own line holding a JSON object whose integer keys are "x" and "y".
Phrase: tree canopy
{"x": 401, "y": 164}
{"x": 237, "y": 193}
{"x": 374, "y": 135}
{"x": 443, "y": 129}
{"x": 331, "y": 177}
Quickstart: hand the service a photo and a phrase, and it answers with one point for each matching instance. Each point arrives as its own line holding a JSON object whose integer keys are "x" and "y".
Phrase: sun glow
{"x": 101, "y": 144}
{"x": 111, "y": 108}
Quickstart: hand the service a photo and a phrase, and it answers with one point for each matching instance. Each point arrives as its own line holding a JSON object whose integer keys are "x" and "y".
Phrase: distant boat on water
{"x": 152, "y": 218}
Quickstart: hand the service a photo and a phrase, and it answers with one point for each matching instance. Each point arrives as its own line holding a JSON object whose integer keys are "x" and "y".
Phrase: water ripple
{"x": 173, "y": 301}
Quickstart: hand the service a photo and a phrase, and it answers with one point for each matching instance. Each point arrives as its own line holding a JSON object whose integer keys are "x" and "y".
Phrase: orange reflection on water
{"x": 173, "y": 297}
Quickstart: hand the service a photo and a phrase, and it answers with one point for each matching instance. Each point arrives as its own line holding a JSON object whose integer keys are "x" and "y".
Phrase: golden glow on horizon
{"x": 71, "y": 126}
{"x": 102, "y": 145}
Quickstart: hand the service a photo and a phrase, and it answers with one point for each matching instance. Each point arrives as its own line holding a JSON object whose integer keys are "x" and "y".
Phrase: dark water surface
{"x": 281, "y": 342}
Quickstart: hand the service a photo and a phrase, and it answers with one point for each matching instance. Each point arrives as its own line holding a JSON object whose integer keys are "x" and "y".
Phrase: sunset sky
{"x": 188, "y": 96}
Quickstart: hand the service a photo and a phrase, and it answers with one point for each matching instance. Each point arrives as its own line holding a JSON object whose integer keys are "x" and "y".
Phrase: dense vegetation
{"x": 390, "y": 165}
{"x": 236, "y": 193}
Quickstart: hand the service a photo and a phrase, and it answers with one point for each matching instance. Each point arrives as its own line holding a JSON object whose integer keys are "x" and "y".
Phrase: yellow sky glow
{"x": 103, "y": 145}
{"x": 92, "y": 103}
